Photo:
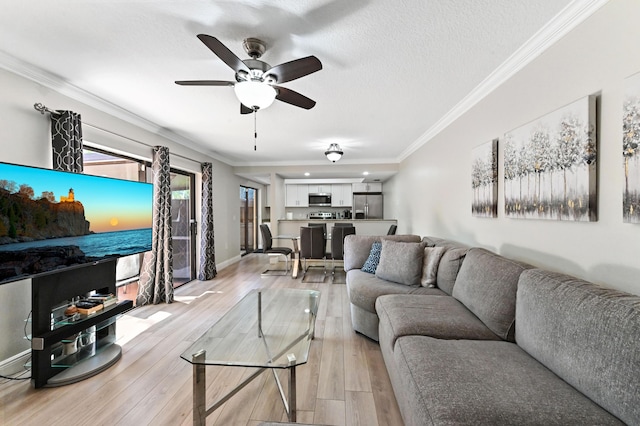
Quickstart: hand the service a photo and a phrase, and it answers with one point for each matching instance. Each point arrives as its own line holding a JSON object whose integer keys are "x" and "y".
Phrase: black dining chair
{"x": 267, "y": 248}
{"x": 392, "y": 230}
{"x": 323, "y": 225}
{"x": 312, "y": 247}
{"x": 338, "y": 233}
{"x": 348, "y": 225}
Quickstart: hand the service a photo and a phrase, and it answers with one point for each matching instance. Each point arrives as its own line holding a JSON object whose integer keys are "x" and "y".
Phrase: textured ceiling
{"x": 391, "y": 69}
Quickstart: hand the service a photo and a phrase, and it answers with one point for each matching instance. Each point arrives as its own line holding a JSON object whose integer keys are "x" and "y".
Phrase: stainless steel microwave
{"x": 320, "y": 200}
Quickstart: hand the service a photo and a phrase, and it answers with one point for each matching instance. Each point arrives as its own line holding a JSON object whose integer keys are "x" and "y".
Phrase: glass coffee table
{"x": 268, "y": 329}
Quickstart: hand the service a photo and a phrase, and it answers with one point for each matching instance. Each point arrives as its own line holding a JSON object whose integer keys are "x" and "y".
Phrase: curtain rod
{"x": 40, "y": 107}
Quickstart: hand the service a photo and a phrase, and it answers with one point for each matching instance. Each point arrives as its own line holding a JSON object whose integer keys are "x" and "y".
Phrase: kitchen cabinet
{"x": 367, "y": 187}
{"x": 341, "y": 195}
{"x": 319, "y": 188}
{"x": 296, "y": 195}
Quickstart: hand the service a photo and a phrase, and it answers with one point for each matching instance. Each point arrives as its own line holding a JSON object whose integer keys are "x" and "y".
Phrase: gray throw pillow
{"x": 432, "y": 256}
{"x": 371, "y": 264}
{"x": 401, "y": 262}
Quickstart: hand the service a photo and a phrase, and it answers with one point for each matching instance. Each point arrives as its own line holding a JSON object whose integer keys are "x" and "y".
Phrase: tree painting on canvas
{"x": 550, "y": 165}
{"x": 484, "y": 179}
{"x": 630, "y": 142}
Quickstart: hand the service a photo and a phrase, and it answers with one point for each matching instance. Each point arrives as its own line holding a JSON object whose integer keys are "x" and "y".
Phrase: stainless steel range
{"x": 321, "y": 215}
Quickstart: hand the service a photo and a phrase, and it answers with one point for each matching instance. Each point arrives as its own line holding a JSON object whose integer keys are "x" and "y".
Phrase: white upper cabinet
{"x": 319, "y": 189}
{"x": 341, "y": 195}
{"x": 296, "y": 195}
{"x": 367, "y": 187}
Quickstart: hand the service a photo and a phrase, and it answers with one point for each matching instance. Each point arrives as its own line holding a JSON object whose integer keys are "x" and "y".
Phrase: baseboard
{"x": 15, "y": 364}
{"x": 220, "y": 266}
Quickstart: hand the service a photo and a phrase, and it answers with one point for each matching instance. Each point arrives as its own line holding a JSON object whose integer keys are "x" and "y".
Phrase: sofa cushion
{"x": 363, "y": 289}
{"x": 430, "y": 262}
{"x": 586, "y": 334}
{"x": 448, "y": 268}
{"x": 445, "y": 382}
{"x": 357, "y": 247}
{"x": 487, "y": 284}
{"x": 401, "y": 262}
{"x": 439, "y": 316}
{"x": 371, "y": 264}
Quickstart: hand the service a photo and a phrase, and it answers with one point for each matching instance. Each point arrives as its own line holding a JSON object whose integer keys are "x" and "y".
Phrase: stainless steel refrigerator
{"x": 367, "y": 205}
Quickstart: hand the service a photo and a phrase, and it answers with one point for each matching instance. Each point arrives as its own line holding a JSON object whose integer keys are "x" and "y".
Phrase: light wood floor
{"x": 344, "y": 382}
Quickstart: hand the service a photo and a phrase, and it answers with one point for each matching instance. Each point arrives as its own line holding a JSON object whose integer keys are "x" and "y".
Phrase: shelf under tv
{"x": 58, "y": 357}
{"x": 88, "y": 367}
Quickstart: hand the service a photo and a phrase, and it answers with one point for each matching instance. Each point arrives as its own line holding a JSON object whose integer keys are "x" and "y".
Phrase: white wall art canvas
{"x": 484, "y": 179}
{"x": 550, "y": 167}
{"x": 630, "y": 155}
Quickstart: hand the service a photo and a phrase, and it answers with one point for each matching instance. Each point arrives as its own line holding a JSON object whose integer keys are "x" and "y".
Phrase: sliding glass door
{"x": 103, "y": 163}
{"x": 183, "y": 226}
{"x": 248, "y": 220}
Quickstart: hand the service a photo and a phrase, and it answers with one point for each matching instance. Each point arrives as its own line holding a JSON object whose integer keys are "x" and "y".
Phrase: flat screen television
{"x": 51, "y": 220}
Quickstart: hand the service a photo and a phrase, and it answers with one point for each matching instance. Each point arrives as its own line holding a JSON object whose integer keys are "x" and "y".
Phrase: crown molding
{"x": 323, "y": 162}
{"x": 565, "y": 21}
{"x": 570, "y": 17}
{"x": 54, "y": 82}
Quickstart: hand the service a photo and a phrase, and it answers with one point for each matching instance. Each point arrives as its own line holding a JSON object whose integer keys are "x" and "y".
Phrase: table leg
{"x": 294, "y": 269}
{"x": 199, "y": 389}
{"x": 292, "y": 394}
{"x": 296, "y": 258}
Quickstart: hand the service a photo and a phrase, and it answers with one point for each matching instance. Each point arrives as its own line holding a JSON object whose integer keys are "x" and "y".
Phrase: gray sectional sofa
{"x": 493, "y": 340}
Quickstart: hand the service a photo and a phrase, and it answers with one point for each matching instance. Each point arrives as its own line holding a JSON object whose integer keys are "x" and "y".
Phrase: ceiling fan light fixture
{"x": 255, "y": 94}
{"x": 334, "y": 153}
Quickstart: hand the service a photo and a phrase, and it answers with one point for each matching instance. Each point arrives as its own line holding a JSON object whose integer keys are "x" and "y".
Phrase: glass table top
{"x": 267, "y": 328}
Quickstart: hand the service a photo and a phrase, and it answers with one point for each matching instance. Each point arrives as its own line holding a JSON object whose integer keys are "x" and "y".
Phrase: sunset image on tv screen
{"x": 99, "y": 216}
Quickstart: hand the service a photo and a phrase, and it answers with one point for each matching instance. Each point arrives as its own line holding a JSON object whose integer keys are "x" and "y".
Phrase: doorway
{"x": 248, "y": 220}
{"x": 183, "y": 226}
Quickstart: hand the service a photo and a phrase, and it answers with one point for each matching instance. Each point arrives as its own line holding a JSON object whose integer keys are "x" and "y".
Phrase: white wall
{"x": 25, "y": 139}
{"x": 431, "y": 195}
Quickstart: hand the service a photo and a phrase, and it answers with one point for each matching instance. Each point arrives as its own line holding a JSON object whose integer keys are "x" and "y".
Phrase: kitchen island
{"x": 363, "y": 226}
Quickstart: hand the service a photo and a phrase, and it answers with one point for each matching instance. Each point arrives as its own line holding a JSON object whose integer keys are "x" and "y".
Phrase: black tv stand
{"x": 65, "y": 350}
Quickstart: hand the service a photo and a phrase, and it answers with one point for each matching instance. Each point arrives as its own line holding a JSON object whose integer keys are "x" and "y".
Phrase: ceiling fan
{"x": 257, "y": 83}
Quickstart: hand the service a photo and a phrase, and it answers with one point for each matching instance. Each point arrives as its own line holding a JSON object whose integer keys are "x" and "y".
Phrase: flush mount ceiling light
{"x": 334, "y": 153}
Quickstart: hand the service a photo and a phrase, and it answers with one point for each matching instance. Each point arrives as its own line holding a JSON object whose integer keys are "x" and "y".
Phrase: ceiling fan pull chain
{"x": 255, "y": 130}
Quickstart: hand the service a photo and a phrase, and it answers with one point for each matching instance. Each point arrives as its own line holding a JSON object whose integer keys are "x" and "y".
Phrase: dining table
{"x": 295, "y": 258}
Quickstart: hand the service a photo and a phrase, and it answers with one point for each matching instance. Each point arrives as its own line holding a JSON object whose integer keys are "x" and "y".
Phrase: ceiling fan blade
{"x": 204, "y": 83}
{"x": 227, "y": 56}
{"x": 295, "y": 69}
{"x": 245, "y": 110}
{"x": 294, "y": 98}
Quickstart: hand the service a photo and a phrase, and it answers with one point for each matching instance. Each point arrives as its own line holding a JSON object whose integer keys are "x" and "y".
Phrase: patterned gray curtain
{"x": 156, "y": 276}
{"x": 66, "y": 141}
{"x": 207, "y": 247}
